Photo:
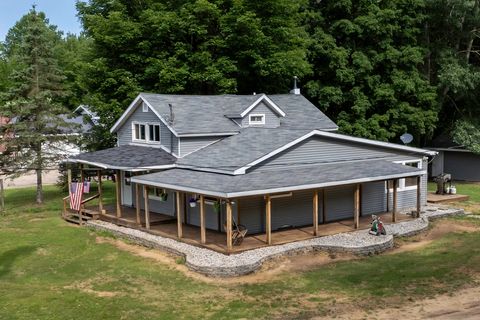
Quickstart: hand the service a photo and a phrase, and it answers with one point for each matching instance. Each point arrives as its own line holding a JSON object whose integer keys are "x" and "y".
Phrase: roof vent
{"x": 295, "y": 89}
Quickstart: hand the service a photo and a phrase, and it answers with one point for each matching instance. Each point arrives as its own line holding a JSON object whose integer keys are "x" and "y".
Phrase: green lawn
{"x": 52, "y": 270}
{"x": 470, "y": 189}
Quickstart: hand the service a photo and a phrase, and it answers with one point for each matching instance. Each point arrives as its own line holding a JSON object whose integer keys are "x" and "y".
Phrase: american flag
{"x": 76, "y": 192}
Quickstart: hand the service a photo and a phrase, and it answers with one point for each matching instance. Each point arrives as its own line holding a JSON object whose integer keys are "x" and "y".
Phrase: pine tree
{"x": 35, "y": 132}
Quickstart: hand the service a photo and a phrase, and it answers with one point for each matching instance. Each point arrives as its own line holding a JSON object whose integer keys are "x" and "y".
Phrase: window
{"x": 407, "y": 183}
{"x": 256, "y": 119}
{"x": 139, "y": 132}
{"x": 144, "y": 107}
{"x": 154, "y": 132}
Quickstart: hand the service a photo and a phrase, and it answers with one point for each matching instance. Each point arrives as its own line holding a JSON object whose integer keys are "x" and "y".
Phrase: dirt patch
{"x": 440, "y": 228}
{"x": 269, "y": 271}
{"x": 464, "y": 304}
{"x": 86, "y": 287}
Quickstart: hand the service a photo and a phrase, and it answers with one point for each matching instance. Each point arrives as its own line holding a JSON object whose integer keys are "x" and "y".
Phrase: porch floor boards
{"x": 166, "y": 226}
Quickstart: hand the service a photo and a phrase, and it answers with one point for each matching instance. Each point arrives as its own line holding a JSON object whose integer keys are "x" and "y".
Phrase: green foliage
{"x": 367, "y": 61}
{"x": 467, "y": 134}
{"x": 190, "y": 47}
{"x": 31, "y": 102}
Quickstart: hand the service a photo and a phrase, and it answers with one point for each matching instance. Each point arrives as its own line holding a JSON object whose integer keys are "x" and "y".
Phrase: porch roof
{"x": 274, "y": 181}
{"x": 127, "y": 157}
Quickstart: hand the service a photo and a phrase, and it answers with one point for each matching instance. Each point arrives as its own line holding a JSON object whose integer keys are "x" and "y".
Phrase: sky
{"x": 61, "y": 13}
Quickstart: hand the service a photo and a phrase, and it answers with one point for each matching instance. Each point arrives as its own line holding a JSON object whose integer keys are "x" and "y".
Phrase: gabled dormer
{"x": 261, "y": 113}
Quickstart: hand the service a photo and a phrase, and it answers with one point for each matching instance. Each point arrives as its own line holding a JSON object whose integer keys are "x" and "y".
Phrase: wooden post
{"x": 268, "y": 220}
{"x": 100, "y": 192}
{"x": 229, "y": 226}
{"x": 315, "y": 212}
{"x": 2, "y": 196}
{"x": 69, "y": 180}
{"x": 147, "y": 211}
{"x": 419, "y": 196}
{"x": 324, "y": 207}
{"x": 394, "y": 204}
{"x": 137, "y": 203}
{"x": 388, "y": 196}
{"x": 82, "y": 174}
{"x": 356, "y": 217}
{"x": 179, "y": 214}
{"x": 202, "y": 220}
{"x": 118, "y": 191}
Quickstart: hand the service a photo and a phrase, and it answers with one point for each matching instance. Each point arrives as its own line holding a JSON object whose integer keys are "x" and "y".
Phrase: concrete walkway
{"x": 215, "y": 264}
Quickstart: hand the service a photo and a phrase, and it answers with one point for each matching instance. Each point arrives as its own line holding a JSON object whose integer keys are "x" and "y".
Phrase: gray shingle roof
{"x": 236, "y": 151}
{"x": 271, "y": 181}
{"x": 207, "y": 114}
{"x": 126, "y": 157}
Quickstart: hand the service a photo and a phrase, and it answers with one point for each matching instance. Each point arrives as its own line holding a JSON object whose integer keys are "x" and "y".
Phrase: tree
{"x": 35, "y": 130}
{"x": 190, "y": 47}
{"x": 368, "y": 63}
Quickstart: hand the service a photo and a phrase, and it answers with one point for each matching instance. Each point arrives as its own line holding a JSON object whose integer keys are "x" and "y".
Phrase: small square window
{"x": 256, "y": 119}
{"x": 144, "y": 107}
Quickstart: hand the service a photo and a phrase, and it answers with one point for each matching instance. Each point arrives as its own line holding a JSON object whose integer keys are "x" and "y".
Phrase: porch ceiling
{"x": 274, "y": 181}
{"x": 127, "y": 157}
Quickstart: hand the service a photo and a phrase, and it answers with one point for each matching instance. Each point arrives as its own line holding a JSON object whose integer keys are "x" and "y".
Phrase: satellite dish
{"x": 406, "y": 138}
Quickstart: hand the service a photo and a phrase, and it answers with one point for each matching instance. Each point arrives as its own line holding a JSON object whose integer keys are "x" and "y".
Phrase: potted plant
{"x": 193, "y": 202}
{"x": 163, "y": 196}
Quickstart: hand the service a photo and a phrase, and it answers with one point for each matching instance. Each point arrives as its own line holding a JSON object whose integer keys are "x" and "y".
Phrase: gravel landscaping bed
{"x": 216, "y": 264}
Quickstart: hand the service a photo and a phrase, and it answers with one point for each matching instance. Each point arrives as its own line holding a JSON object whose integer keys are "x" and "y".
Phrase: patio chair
{"x": 239, "y": 232}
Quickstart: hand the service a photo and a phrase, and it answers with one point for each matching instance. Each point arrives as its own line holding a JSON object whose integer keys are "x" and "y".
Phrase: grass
{"x": 52, "y": 270}
{"x": 470, "y": 189}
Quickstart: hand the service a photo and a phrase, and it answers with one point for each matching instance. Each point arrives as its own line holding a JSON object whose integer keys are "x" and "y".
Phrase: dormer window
{"x": 256, "y": 119}
{"x": 139, "y": 132}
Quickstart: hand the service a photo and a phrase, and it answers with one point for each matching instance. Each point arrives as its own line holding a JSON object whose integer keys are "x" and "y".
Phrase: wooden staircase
{"x": 79, "y": 217}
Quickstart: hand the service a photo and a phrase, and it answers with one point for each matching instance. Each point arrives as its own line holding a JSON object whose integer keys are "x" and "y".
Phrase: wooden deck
{"x": 432, "y": 197}
{"x": 166, "y": 226}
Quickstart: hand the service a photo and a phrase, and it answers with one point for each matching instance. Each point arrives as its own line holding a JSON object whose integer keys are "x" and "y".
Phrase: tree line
{"x": 377, "y": 68}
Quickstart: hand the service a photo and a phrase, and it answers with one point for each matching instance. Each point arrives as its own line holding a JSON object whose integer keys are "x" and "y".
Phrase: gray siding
{"x": 323, "y": 150}
{"x": 192, "y": 144}
{"x": 252, "y": 214}
{"x": 339, "y": 203}
{"x": 176, "y": 143}
{"x": 373, "y": 198}
{"x": 163, "y": 207}
{"x": 124, "y": 134}
{"x": 272, "y": 120}
{"x": 294, "y": 211}
{"x": 462, "y": 165}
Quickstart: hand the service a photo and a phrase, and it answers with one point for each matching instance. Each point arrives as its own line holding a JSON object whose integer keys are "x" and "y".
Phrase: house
{"x": 452, "y": 158}
{"x": 196, "y": 167}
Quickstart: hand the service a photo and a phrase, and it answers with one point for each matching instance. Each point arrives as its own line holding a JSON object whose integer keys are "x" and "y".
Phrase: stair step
{"x": 75, "y": 218}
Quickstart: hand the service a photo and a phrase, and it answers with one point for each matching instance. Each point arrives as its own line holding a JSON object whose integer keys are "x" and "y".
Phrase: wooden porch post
{"x": 315, "y": 212}
{"x": 179, "y": 214}
{"x": 147, "y": 210}
{"x": 324, "y": 212}
{"x": 356, "y": 217}
{"x": 229, "y": 226}
{"x": 203, "y": 237}
{"x": 69, "y": 180}
{"x": 100, "y": 192}
{"x": 388, "y": 195}
{"x": 137, "y": 203}
{"x": 118, "y": 180}
{"x": 82, "y": 175}
{"x": 394, "y": 205}
{"x": 419, "y": 196}
{"x": 268, "y": 219}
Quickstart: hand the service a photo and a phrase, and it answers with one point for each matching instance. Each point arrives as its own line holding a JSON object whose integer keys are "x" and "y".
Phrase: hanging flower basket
{"x": 193, "y": 202}
{"x": 216, "y": 206}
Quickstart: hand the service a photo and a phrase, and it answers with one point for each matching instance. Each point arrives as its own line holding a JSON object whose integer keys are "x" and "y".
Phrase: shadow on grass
{"x": 7, "y": 259}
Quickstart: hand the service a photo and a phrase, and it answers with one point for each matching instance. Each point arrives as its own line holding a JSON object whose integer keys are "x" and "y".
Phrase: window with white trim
{"x": 410, "y": 182}
{"x": 139, "y": 132}
{"x": 144, "y": 107}
{"x": 154, "y": 132}
{"x": 256, "y": 119}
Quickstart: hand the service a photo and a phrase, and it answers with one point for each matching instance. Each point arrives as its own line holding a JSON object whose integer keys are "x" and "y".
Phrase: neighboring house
{"x": 452, "y": 158}
{"x": 86, "y": 112}
{"x": 268, "y": 162}
{"x": 3, "y": 121}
